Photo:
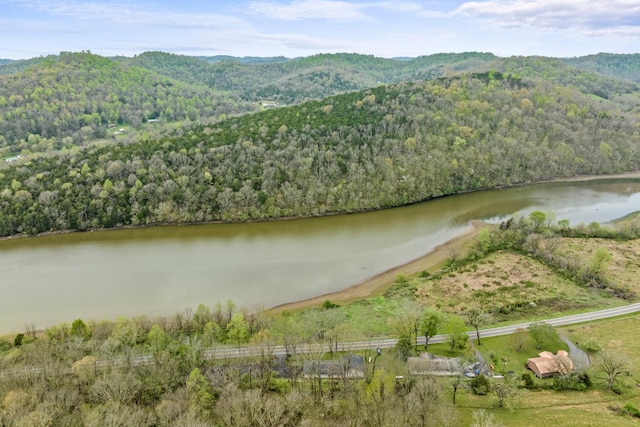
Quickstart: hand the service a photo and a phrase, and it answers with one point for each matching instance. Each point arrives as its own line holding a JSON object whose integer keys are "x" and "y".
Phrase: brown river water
{"x": 163, "y": 270}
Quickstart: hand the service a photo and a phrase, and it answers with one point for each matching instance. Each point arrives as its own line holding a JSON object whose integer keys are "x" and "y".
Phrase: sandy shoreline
{"x": 432, "y": 260}
{"x": 381, "y": 281}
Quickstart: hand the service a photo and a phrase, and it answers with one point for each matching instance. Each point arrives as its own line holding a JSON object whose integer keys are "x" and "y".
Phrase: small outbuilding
{"x": 429, "y": 364}
{"x": 351, "y": 367}
{"x": 548, "y": 364}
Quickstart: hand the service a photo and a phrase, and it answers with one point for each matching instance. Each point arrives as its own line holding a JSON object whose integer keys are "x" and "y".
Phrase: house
{"x": 548, "y": 364}
{"x": 351, "y": 367}
{"x": 428, "y": 364}
{"x": 12, "y": 159}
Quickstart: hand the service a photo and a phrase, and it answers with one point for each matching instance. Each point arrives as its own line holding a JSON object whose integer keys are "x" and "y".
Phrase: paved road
{"x": 248, "y": 351}
{"x": 389, "y": 343}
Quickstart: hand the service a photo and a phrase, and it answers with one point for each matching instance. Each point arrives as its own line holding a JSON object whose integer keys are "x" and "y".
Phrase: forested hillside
{"x": 301, "y": 79}
{"x": 381, "y": 147}
{"x": 614, "y": 65}
{"x": 623, "y": 92}
{"x": 66, "y": 100}
{"x": 48, "y": 103}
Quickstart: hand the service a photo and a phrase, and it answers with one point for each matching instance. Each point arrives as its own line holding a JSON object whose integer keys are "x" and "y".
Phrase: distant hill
{"x": 381, "y": 147}
{"x": 614, "y": 65}
{"x": 290, "y": 81}
{"x": 78, "y": 95}
{"x": 562, "y": 73}
{"x": 243, "y": 59}
{"x": 60, "y": 101}
{"x": 11, "y": 67}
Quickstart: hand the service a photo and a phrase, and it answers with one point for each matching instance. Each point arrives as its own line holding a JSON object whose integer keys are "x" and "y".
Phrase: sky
{"x": 294, "y": 28}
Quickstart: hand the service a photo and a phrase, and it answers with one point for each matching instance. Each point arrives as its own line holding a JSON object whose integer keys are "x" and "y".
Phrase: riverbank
{"x": 378, "y": 283}
{"x": 634, "y": 174}
{"x": 430, "y": 261}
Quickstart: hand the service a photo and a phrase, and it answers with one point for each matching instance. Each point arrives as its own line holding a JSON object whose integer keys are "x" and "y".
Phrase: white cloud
{"x": 126, "y": 13}
{"x": 588, "y": 16}
{"x": 336, "y": 10}
{"x": 331, "y": 10}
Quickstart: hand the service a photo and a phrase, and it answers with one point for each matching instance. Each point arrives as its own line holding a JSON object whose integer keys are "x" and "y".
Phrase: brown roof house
{"x": 548, "y": 364}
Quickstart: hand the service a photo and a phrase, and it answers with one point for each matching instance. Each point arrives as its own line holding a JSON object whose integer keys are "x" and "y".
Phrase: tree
{"x": 238, "y": 329}
{"x": 79, "y": 329}
{"x": 431, "y": 323}
{"x": 610, "y": 368}
{"x": 544, "y": 335}
{"x": 519, "y": 339}
{"x": 482, "y": 418}
{"x": 158, "y": 340}
{"x": 17, "y": 341}
{"x": 538, "y": 219}
{"x": 505, "y": 390}
{"x": 599, "y": 262}
{"x": 476, "y": 317}
{"x": 456, "y": 332}
{"x": 424, "y": 399}
{"x": 404, "y": 347}
{"x": 406, "y": 323}
{"x": 200, "y": 390}
{"x": 480, "y": 385}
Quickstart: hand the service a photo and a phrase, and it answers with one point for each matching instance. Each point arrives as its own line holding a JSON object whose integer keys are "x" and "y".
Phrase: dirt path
{"x": 379, "y": 282}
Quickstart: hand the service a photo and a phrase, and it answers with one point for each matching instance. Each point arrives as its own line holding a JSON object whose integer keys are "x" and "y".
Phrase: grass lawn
{"x": 566, "y": 408}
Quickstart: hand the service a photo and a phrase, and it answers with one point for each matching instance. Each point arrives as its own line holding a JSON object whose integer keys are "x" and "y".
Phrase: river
{"x": 163, "y": 270}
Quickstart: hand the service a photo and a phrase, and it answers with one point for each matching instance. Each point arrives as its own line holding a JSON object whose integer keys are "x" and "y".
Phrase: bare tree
{"x": 482, "y": 418}
{"x": 424, "y": 400}
{"x": 610, "y": 368}
{"x": 505, "y": 390}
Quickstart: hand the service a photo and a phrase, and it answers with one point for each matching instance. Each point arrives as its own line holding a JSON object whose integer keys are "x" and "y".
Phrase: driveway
{"x": 580, "y": 359}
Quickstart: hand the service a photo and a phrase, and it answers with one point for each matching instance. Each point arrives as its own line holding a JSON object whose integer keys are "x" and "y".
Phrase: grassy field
{"x": 624, "y": 267}
{"x": 509, "y": 285}
{"x": 567, "y": 408}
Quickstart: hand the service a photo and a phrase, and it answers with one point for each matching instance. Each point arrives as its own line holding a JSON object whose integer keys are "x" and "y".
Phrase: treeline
{"x": 383, "y": 147}
{"x": 67, "y": 100}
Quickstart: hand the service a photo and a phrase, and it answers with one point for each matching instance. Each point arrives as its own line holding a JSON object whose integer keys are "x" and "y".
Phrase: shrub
{"x": 631, "y": 410}
{"x": 591, "y": 347}
{"x": 328, "y": 305}
{"x": 480, "y": 385}
{"x": 528, "y": 382}
{"x": 402, "y": 278}
{"x": 17, "y": 341}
